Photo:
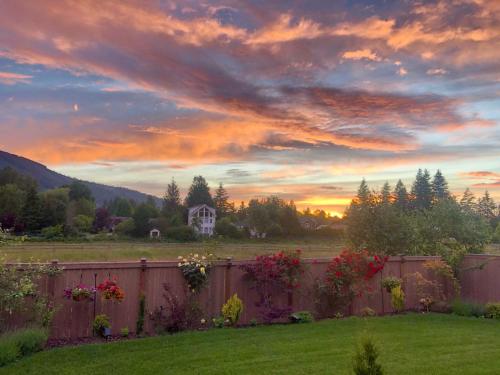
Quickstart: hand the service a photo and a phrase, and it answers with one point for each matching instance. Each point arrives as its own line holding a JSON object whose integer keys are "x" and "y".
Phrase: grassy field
{"x": 107, "y": 251}
{"x": 408, "y": 344}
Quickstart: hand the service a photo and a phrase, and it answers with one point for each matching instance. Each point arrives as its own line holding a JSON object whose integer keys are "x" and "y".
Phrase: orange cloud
{"x": 361, "y": 54}
{"x": 9, "y": 78}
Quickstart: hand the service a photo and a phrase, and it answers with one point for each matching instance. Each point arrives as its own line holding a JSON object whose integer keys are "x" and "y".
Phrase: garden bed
{"x": 408, "y": 344}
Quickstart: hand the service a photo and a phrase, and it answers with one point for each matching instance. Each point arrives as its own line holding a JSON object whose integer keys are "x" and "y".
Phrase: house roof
{"x": 200, "y": 206}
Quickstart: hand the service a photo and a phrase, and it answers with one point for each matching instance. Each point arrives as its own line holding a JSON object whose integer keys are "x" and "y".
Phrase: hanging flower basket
{"x": 79, "y": 293}
{"x": 110, "y": 290}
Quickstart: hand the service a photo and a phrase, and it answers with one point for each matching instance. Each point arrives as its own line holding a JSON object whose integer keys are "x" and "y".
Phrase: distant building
{"x": 308, "y": 223}
{"x": 202, "y": 219}
{"x": 154, "y": 233}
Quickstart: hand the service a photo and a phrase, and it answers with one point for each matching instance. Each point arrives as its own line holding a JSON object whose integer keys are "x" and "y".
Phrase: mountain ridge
{"x": 48, "y": 179}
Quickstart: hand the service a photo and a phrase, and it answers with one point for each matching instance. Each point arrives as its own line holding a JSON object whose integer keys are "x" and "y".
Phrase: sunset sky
{"x": 296, "y": 98}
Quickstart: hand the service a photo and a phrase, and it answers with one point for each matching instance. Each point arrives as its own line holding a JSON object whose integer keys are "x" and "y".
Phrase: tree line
{"x": 427, "y": 220}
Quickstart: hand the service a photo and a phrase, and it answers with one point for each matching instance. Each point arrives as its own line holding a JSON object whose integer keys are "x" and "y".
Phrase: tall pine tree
{"x": 440, "y": 187}
{"x": 422, "y": 191}
{"x": 221, "y": 202}
{"x": 199, "y": 193}
{"x": 32, "y": 210}
{"x": 385, "y": 194}
{"x": 363, "y": 197}
{"x": 401, "y": 196}
{"x": 468, "y": 201}
{"x": 171, "y": 200}
{"x": 486, "y": 207}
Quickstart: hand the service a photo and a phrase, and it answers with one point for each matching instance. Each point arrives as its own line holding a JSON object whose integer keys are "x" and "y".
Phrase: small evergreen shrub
{"x": 232, "y": 309}
{"x": 139, "y": 326}
{"x": 124, "y": 332}
{"x": 492, "y": 310}
{"x": 30, "y": 340}
{"x": 301, "y": 317}
{"x": 219, "y": 322}
{"x": 398, "y": 298}
{"x": 365, "y": 359}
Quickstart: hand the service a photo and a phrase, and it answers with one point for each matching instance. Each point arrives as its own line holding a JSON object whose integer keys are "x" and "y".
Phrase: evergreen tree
{"x": 221, "y": 201}
{"x": 401, "y": 196}
{"x": 486, "y": 207}
{"x": 32, "y": 210}
{"x": 422, "y": 191}
{"x": 440, "y": 187}
{"x": 172, "y": 200}
{"x": 363, "y": 197}
{"x": 78, "y": 190}
{"x": 385, "y": 194}
{"x": 468, "y": 201}
{"x": 199, "y": 193}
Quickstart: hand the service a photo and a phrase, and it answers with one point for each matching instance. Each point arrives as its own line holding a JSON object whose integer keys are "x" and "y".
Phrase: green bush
{"x": 301, "y": 317}
{"x": 492, "y": 310}
{"x": 461, "y": 308}
{"x": 101, "y": 322}
{"x": 139, "y": 326}
{"x": 398, "y": 298}
{"x": 226, "y": 228}
{"x": 232, "y": 309}
{"x": 124, "y": 332}
{"x": 365, "y": 359}
{"x": 54, "y": 232}
{"x": 183, "y": 233}
{"x": 21, "y": 343}
{"x": 9, "y": 351}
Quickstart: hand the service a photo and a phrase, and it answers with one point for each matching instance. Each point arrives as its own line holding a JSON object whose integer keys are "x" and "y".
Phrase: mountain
{"x": 49, "y": 179}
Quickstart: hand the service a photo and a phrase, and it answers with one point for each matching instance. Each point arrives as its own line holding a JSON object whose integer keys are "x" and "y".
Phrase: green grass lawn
{"x": 409, "y": 344}
{"x": 107, "y": 251}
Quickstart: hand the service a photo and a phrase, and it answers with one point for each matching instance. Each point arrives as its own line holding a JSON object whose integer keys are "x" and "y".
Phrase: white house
{"x": 154, "y": 233}
{"x": 202, "y": 219}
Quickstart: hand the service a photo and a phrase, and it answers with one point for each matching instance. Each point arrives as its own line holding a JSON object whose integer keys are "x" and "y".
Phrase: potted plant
{"x": 101, "y": 326}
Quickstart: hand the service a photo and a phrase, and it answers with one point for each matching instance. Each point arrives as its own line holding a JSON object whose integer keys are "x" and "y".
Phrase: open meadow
{"x": 119, "y": 251}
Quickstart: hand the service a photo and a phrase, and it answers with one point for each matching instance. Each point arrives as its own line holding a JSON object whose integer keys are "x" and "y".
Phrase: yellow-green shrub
{"x": 398, "y": 298}
{"x": 232, "y": 309}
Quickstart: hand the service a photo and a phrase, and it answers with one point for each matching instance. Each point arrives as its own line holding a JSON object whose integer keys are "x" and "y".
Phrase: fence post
{"x": 227, "y": 278}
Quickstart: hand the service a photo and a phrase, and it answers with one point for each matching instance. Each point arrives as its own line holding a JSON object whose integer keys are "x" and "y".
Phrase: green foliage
{"x": 492, "y": 310}
{"x": 139, "y": 327}
{"x": 422, "y": 191}
{"x": 124, "y": 332}
{"x": 9, "y": 351}
{"x": 21, "y": 343}
{"x": 225, "y": 227}
{"x": 219, "y": 322}
{"x": 83, "y": 223}
{"x": 365, "y": 359}
{"x": 461, "y": 308}
{"x": 31, "y": 215}
{"x": 199, "y": 193}
{"x": 232, "y": 309}
{"x": 100, "y": 323}
{"x": 79, "y": 190}
{"x": 121, "y": 207}
{"x": 221, "y": 202}
{"x": 16, "y": 285}
{"x": 397, "y": 298}
{"x": 54, "y": 232}
{"x": 253, "y": 322}
{"x": 143, "y": 213}
{"x": 496, "y": 235}
{"x": 126, "y": 227}
{"x": 301, "y": 317}
{"x": 172, "y": 206}
{"x": 390, "y": 282}
{"x": 54, "y": 206}
{"x": 183, "y": 233}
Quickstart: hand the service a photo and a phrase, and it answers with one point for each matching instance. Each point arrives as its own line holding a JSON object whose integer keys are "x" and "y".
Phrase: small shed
{"x": 154, "y": 233}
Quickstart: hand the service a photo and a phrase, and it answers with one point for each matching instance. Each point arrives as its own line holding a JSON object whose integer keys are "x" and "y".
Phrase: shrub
{"x": 139, "y": 327}
{"x": 184, "y": 233}
{"x": 9, "y": 351}
{"x": 54, "y": 232}
{"x": 175, "y": 316}
{"x": 30, "y": 340}
{"x": 301, "y": 317}
{"x": 398, "y": 298}
{"x": 126, "y": 227}
{"x": 493, "y": 310}
{"x": 226, "y": 228}
{"x": 461, "y": 308}
{"x": 272, "y": 275}
{"x": 232, "y": 309}
{"x": 195, "y": 270}
{"x": 365, "y": 359}
{"x": 347, "y": 277}
{"x": 253, "y": 322}
{"x": 219, "y": 322}
{"x": 391, "y": 282}
{"x": 101, "y": 322}
{"x": 368, "y": 312}
{"x": 124, "y": 332}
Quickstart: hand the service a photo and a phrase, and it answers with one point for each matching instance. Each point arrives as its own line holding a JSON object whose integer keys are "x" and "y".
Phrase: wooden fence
{"x": 480, "y": 283}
